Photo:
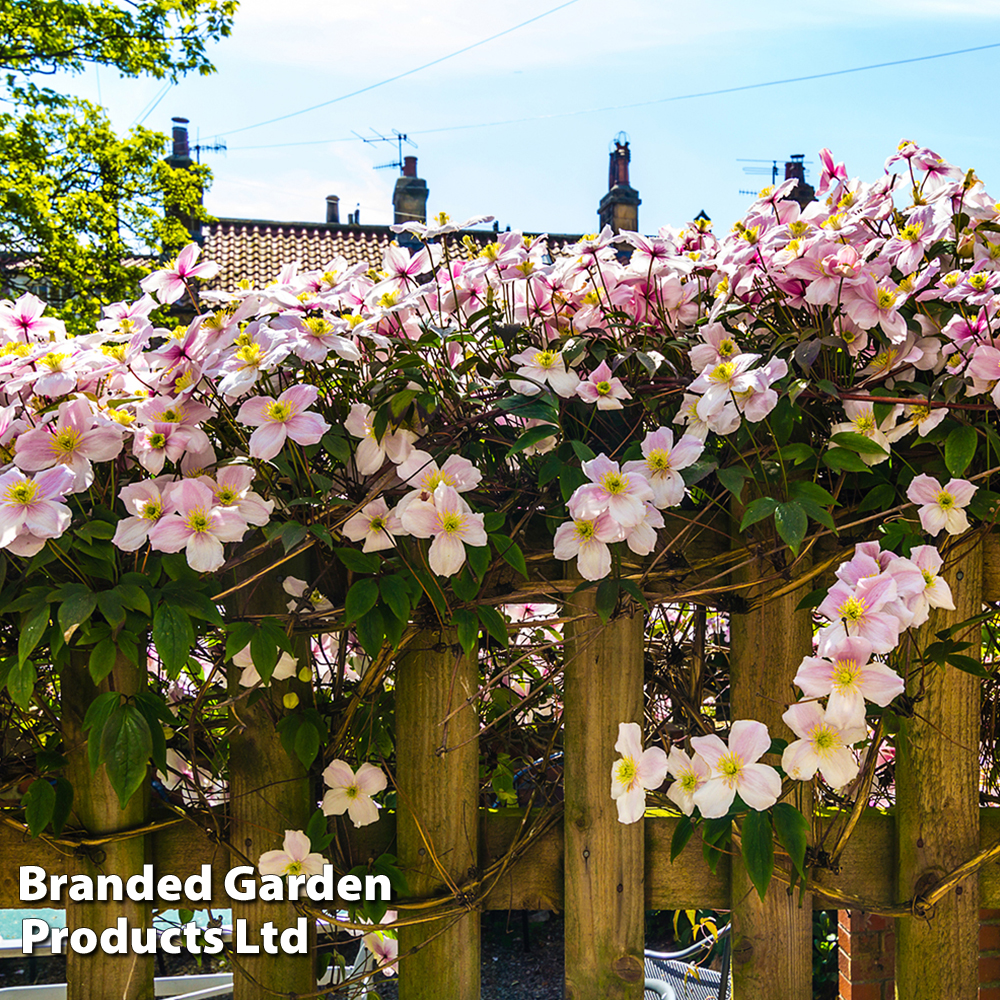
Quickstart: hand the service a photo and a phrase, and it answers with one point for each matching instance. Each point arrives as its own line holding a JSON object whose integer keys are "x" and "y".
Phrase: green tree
{"x": 79, "y": 204}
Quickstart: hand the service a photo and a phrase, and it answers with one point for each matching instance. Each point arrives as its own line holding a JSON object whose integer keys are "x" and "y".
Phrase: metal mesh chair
{"x": 669, "y": 977}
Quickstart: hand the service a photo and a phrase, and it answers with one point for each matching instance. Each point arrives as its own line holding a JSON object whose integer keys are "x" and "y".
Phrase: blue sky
{"x": 550, "y": 171}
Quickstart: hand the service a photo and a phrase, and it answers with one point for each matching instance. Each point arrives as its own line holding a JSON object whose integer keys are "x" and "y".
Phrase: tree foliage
{"x": 80, "y": 205}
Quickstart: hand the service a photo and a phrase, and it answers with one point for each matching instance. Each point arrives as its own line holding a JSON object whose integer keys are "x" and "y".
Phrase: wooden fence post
{"x": 604, "y": 859}
{"x": 269, "y": 793}
{"x": 937, "y": 808}
{"x": 772, "y": 939}
{"x": 128, "y": 976}
{"x": 437, "y": 775}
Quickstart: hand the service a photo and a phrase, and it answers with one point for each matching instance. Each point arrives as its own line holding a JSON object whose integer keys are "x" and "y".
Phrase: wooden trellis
{"x": 601, "y": 873}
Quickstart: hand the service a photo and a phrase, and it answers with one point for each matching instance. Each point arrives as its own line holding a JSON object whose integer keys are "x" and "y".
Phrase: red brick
{"x": 870, "y": 969}
{"x": 860, "y": 991}
{"x": 985, "y": 914}
{"x": 889, "y": 947}
{"x": 989, "y": 937}
{"x": 844, "y": 938}
{"x": 989, "y": 968}
{"x": 989, "y": 993}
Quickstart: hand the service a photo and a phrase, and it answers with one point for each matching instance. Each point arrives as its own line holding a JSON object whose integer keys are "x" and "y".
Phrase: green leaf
{"x": 682, "y": 834}
{"x": 264, "y": 653}
{"x": 734, "y": 479}
{"x": 968, "y": 665}
{"x": 370, "y": 630}
{"x": 479, "y": 559}
{"x": 792, "y": 829}
{"x": 238, "y": 636}
{"x": 582, "y": 451}
{"x": 530, "y": 408}
{"x": 196, "y": 603}
{"x": 791, "y": 521}
{"x": 97, "y": 714}
{"x": 134, "y": 598}
{"x": 21, "y": 683}
{"x": 494, "y": 520}
{"x": 102, "y": 660}
{"x": 396, "y": 596}
{"x": 173, "y": 636}
{"x": 632, "y": 589}
{"x": 757, "y": 511}
{"x": 758, "y": 849}
{"x": 840, "y": 459}
{"x": 855, "y": 442}
{"x": 358, "y": 561}
{"x": 607, "y": 599}
{"x": 316, "y": 830}
{"x": 802, "y": 489}
{"x": 494, "y": 622}
{"x": 126, "y": 746}
{"x": 33, "y": 627}
{"x": 879, "y": 497}
{"x": 532, "y": 436}
{"x": 467, "y": 623}
{"x": 110, "y": 604}
{"x": 797, "y": 453}
{"x": 39, "y": 804}
{"x": 960, "y": 449}
{"x": 465, "y": 585}
{"x": 510, "y": 552}
{"x": 307, "y": 743}
{"x": 77, "y": 606}
{"x": 361, "y": 599}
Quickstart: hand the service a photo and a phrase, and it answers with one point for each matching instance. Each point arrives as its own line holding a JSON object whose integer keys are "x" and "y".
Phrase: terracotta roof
{"x": 257, "y": 249}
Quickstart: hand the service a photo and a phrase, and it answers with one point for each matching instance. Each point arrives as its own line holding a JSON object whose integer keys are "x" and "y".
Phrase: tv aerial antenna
{"x": 219, "y": 146}
{"x": 772, "y": 169}
{"x": 398, "y": 138}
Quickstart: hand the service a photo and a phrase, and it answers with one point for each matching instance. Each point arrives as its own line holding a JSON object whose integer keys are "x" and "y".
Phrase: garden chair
{"x": 670, "y": 977}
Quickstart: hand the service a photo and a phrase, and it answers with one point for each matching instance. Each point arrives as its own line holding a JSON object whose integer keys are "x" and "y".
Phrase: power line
{"x": 400, "y": 76}
{"x": 645, "y": 104}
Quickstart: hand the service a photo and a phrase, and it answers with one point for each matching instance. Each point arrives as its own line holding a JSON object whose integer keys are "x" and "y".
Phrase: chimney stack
{"x": 409, "y": 199}
{"x": 795, "y": 168}
{"x": 180, "y": 159}
{"x": 619, "y": 208}
{"x": 332, "y": 210}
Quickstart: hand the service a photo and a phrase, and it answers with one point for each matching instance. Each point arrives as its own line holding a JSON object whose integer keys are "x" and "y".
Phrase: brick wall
{"x": 867, "y": 956}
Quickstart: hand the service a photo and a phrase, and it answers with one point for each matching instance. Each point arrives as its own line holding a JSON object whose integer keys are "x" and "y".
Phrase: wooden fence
{"x": 601, "y": 874}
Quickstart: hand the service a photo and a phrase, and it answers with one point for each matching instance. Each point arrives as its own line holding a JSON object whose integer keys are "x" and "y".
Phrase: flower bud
{"x": 290, "y": 701}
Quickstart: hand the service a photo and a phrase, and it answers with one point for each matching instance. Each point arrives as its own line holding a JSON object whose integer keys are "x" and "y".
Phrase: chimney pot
{"x": 332, "y": 210}
{"x": 181, "y": 149}
{"x": 409, "y": 198}
{"x": 409, "y": 166}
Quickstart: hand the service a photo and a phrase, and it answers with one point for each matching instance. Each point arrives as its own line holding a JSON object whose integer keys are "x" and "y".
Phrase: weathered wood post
{"x": 604, "y": 859}
{"x": 269, "y": 793}
{"x": 437, "y": 776}
{"x": 772, "y": 939}
{"x": 937, "y": 808}
{"x": 95, "y": 803}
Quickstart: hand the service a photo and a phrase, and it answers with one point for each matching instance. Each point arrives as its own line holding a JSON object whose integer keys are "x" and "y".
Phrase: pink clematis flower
{"x": 661, "y": 463}
{"x": 75, "y": 439}
{"x": 147, "y": 505}
{"x": 352, "y": 792}
{"x": 170, "y": 283}
{"x": 396, "y": 445}
{"x": 231, "y": 488}
{"x": 422, "y": 473}
{"x": 689, "y": 774}
{"x": 634, "y": 772}
{"x": 285, "y": 668}
{"x": 602, "y": 388}
{"x": 196, "y": 526}
{"x": 283, "y": 418}
{"x": 848, "y": 675}
{"x": 449, "y": 520}
{"x": 735, "y": 769}
{"x": 822, "y": 745}
{"x": 862, "y": 611}
{"x": 293, "y": 859}
{"x": 385, "y": 951}
{"x": 541, "y": 367}
{"x": 374, "y": 523}
{"x": 23, "y": 320}
{"x": 32, "y": 510}
{"x": 622, "y": 495}
{"x": 935, "y": 593}
{"x": 941, "y": 506}
{"x": 586, "y": 540}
